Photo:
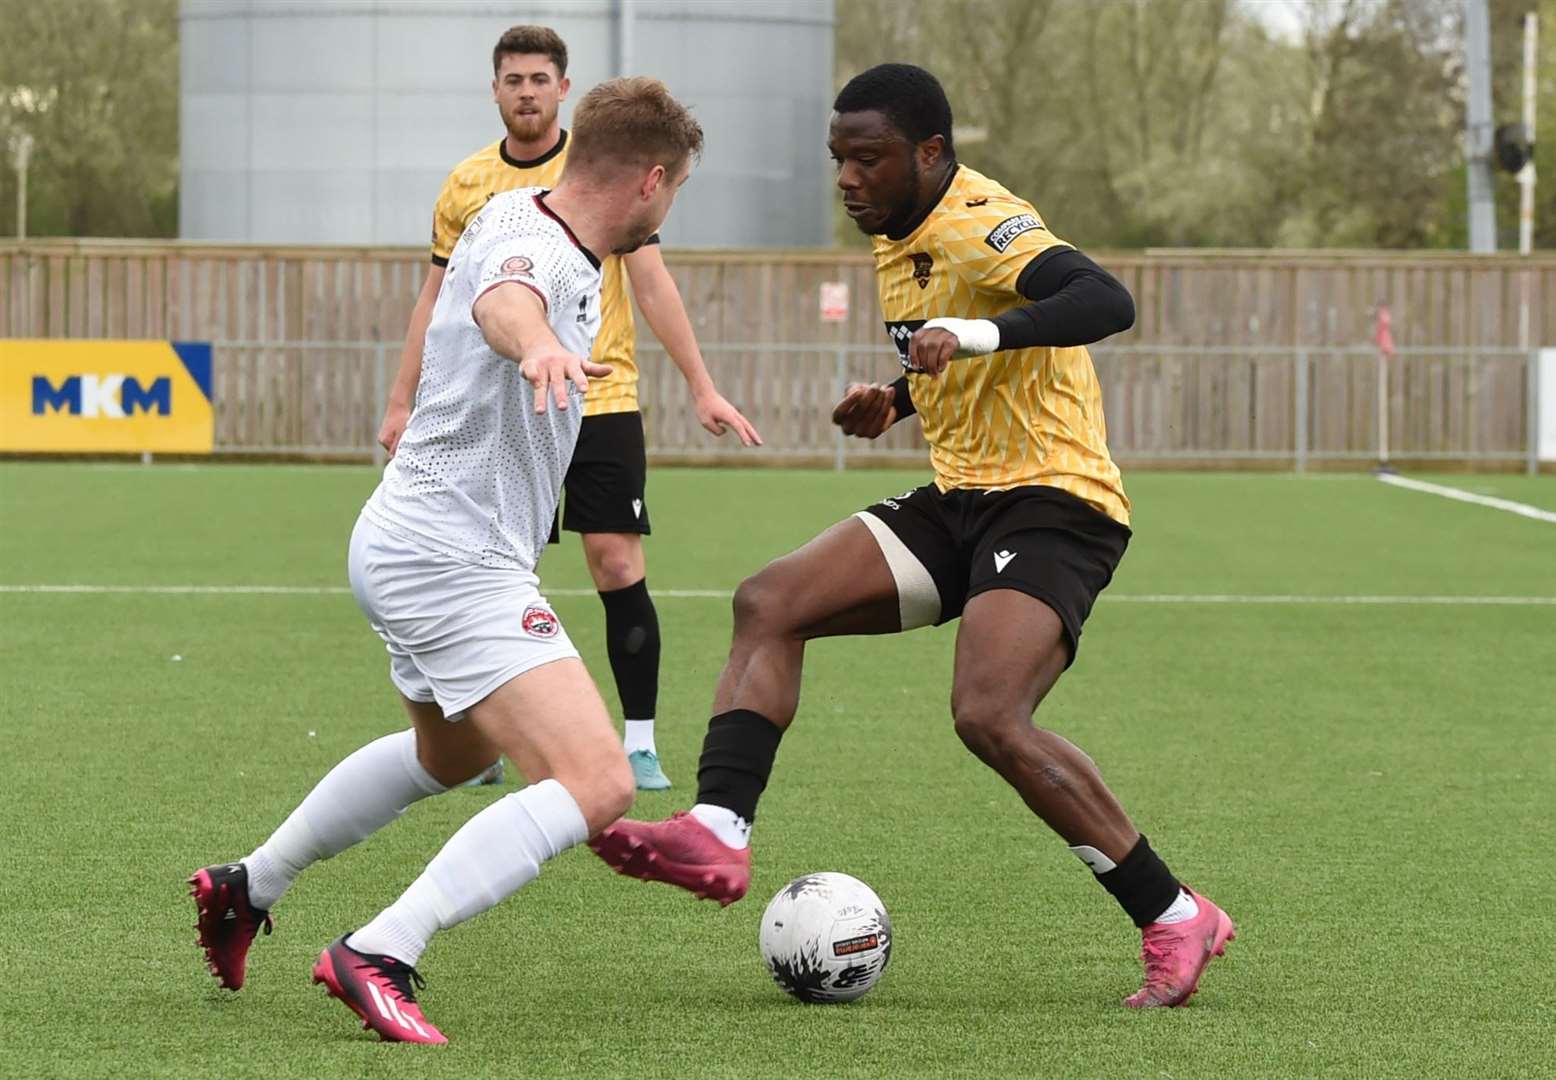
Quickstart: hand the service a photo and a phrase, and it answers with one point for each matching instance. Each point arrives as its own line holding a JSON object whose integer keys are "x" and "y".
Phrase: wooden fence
{"x": 1235, "y": 355}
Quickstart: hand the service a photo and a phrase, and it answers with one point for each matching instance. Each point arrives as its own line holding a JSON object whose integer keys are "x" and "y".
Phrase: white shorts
{"x": 455, "y": 631}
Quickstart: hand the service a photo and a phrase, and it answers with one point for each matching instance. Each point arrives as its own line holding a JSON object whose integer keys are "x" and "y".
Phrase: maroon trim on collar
{"x": 540, "y": 202}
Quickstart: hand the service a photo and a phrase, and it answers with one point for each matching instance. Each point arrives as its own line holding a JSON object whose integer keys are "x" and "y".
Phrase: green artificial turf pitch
{"x": 1368, "y": 788}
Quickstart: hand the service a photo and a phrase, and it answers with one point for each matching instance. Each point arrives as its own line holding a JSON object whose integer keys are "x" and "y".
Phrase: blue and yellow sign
{"x": 79, "y": 396}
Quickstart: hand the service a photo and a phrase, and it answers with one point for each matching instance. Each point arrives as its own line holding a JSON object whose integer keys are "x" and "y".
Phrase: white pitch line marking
{"x": 719, "y": 594}
{"x": 1459, "y": 495}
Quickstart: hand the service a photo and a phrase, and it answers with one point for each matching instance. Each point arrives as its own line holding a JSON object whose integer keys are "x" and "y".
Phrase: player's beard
{"x": 528, "y": 128}
{"x": 637, "y": 235}
{"x": 902, "y": 213}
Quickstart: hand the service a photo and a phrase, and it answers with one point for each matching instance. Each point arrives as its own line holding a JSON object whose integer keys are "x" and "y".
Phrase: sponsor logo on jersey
{"x": 540, "y": 622}
{"x": 922, "y": 265}
{"x": 1001, "y": 235}
{"x": 853, "y": 945}
{"x": 901, "y": 333}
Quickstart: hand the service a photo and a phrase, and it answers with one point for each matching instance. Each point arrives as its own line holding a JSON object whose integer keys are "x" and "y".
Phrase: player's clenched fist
{"x": 389, "y": 432}
{"x": 550, "y": 372}
{"x": 931, "y": 350}
{"x": 941, "y": 340}
{"x": 867, "y": 410}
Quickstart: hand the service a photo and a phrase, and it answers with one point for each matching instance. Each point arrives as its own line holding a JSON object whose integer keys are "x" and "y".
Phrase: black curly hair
{"x": 910, "y": 97}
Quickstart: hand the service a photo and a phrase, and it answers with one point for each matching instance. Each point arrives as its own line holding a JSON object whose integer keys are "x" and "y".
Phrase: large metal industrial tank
{"x": 335, "y": 121}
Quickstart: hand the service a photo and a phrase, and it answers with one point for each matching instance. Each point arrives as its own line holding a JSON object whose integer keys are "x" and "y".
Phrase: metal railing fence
{"x": 1165, "y": 404}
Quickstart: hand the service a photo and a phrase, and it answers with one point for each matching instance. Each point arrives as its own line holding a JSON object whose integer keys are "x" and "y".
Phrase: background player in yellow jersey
{"x": 1023, "y": 526}
{"x": 606, "y": 498}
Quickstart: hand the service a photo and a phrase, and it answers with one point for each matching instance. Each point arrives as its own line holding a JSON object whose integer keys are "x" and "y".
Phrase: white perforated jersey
{"x": 478, "y": 474}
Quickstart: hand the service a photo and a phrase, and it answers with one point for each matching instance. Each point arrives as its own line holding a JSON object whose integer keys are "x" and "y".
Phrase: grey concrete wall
{"x": 335, "y": 121}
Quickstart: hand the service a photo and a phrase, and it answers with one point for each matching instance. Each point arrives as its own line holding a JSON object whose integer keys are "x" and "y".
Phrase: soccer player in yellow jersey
{"x": 605, "y": 484}
{"x": 1021, "y": 528}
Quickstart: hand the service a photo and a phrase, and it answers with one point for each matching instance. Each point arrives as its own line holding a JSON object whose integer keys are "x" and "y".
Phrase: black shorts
{"x": 1037, "y": 540}
{"x": 605, "y": 483}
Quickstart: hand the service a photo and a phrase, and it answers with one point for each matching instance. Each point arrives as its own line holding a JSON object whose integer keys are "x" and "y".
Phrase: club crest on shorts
{"x": 540, "y": 622}
{"x": 518, "y": 264}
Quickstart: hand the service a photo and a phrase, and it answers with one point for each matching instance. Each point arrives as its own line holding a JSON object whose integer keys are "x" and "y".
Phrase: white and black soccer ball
{"x": 826, "y": 938}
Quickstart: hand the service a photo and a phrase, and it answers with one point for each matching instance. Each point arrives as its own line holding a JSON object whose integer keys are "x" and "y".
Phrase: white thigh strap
{"x": 918, "y": 600}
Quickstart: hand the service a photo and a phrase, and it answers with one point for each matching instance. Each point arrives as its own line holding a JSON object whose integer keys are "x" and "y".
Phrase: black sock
{"x": 1142, "y": 884}
{"x": 632, "y": 643}
{"x": 737, "y": 758}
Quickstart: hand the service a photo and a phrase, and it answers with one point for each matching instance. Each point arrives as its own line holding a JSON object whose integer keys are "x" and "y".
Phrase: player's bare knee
{"x": 987, "y": 723}
{"x": 451, "y": 766}
{"x": 615, "y": 571}
{"x": 759, "y": 605}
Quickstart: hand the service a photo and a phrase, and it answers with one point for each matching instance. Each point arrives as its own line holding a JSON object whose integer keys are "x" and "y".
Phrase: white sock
{"x": 491, "y": 857}
{"x": 732, "y": 829}
{"x": 361, "y": 795}
{"x": 639, "y": 736}
{"x": 1181, "y": 910}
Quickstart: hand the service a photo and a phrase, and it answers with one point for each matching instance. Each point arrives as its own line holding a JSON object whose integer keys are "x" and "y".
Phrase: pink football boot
{"x": 681, "y": 851}
{"x": 1176, "y": 955}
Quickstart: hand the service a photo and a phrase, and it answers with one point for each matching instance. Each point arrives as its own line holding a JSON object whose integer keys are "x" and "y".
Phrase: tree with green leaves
{"x": 95, "y": 83}
{"x": 1137, "y": 123}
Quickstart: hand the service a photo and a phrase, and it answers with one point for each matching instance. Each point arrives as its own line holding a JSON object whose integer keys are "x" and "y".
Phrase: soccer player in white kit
{"x": 442, "y": 561}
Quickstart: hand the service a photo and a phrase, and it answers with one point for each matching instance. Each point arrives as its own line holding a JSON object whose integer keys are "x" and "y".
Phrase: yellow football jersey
{"x": 1029, "y": 416}
{"x": 489, "y": 171}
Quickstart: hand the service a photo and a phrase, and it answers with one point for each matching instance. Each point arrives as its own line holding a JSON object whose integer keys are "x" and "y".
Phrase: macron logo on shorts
{"x": 1002, "y": 560}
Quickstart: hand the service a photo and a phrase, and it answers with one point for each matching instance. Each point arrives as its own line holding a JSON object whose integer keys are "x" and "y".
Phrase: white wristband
{"x": 974, "y": 337}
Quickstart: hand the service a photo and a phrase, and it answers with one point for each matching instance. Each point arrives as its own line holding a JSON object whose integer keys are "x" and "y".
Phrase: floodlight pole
{"x": 624, "y": 38}
{"x": 1526, "y": 175}
{"x": 1477, "y": 128}
{"x": 21, "y": 149}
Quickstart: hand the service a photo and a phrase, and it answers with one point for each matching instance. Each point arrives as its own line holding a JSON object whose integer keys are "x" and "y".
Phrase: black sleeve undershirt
{"x": 1073, "y": 302}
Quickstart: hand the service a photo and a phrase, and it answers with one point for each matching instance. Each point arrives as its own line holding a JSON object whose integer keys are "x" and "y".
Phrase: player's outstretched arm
{"x": 402, "y": 395}
{"x": 1072, "y": 301}
{"x": 512, "y": 318}
{"x": 660, "y": 301}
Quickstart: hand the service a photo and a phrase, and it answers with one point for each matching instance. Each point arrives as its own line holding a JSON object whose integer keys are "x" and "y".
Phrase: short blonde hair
{"x": 633, "y": 122}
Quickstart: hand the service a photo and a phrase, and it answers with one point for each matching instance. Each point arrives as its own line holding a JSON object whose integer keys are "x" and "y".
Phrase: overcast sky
{"x": 1283, "y": 16}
